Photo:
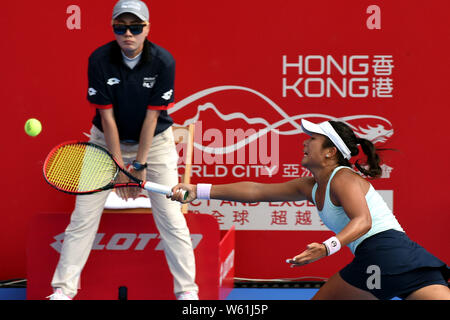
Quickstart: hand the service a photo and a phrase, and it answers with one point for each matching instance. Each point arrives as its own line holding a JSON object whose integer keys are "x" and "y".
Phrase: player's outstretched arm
{"x": 293, "y": 190}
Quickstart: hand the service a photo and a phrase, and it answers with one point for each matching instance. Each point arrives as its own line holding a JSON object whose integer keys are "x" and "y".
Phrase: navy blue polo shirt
{"x": 131, "y": 92}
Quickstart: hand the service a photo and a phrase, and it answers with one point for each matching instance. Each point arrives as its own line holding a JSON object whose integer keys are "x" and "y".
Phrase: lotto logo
{"x": 125, "y": 241}
{"x": 113, "y": 81}
{"x": 92, "y": 92}
{"x": 167, "y": 95}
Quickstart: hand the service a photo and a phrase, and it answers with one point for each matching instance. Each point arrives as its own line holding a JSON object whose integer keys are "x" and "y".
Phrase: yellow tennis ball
{"x": 33, "y": 127}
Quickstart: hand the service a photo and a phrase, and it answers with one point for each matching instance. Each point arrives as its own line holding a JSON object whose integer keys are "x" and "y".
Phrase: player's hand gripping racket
{"x": 83, "y": 168}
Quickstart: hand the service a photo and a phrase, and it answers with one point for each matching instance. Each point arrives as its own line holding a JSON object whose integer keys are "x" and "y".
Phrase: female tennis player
{"x": 350, "y": 207}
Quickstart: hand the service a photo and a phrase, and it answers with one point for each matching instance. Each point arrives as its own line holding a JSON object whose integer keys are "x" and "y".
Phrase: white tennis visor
{"x": 326, "y": 129}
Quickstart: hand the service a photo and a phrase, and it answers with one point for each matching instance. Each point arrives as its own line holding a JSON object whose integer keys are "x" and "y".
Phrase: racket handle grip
{"x": 159, "y": 188}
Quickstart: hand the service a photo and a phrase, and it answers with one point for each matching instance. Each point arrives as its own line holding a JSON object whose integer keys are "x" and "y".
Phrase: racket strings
{"x": 98, "y": 169}
{"x": 80, "y": 168}
{"x": 63, "y": 169}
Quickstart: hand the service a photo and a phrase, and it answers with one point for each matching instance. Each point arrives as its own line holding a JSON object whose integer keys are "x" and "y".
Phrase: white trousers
{"x": 80, "y": 233}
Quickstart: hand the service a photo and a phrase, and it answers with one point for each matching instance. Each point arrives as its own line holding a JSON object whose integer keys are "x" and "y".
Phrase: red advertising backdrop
{"x": 247, "y": 73}
{"x": 134, "y": 260}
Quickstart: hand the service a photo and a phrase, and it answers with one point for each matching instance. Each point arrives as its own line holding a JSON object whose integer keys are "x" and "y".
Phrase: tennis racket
{"x": 84, "y": 168}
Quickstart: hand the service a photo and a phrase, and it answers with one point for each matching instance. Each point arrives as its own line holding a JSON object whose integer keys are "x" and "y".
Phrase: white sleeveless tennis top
{"x": 336, "y": 219}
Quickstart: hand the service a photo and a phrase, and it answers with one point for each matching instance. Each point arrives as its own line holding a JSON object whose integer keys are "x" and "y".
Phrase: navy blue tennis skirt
{"x": 403, "y": 266}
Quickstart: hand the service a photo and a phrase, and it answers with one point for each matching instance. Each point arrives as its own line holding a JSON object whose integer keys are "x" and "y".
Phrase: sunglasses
{"x": 135, "y": 29}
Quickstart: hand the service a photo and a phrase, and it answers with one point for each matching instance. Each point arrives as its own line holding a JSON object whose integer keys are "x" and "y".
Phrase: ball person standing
{"x": 131, "y": 86}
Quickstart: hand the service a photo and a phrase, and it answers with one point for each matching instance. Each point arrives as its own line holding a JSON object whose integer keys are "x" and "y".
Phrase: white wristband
{"x": 203, "y": 191}
{"x": 333, "y": 245}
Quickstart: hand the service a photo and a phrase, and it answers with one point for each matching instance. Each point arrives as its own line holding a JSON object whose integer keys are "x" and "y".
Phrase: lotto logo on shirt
{"x": 92, "y": 92}
{"x": 113, "y": 81}
{"x": 167, "y": 95}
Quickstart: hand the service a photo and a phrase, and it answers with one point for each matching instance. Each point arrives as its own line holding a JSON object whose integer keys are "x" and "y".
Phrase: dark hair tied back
{"x": 372, "y": 167}
{"x": 373, "y": 159}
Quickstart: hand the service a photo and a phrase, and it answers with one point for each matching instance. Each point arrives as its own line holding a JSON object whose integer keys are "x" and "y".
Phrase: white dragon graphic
{"x": 378, "y": 134}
